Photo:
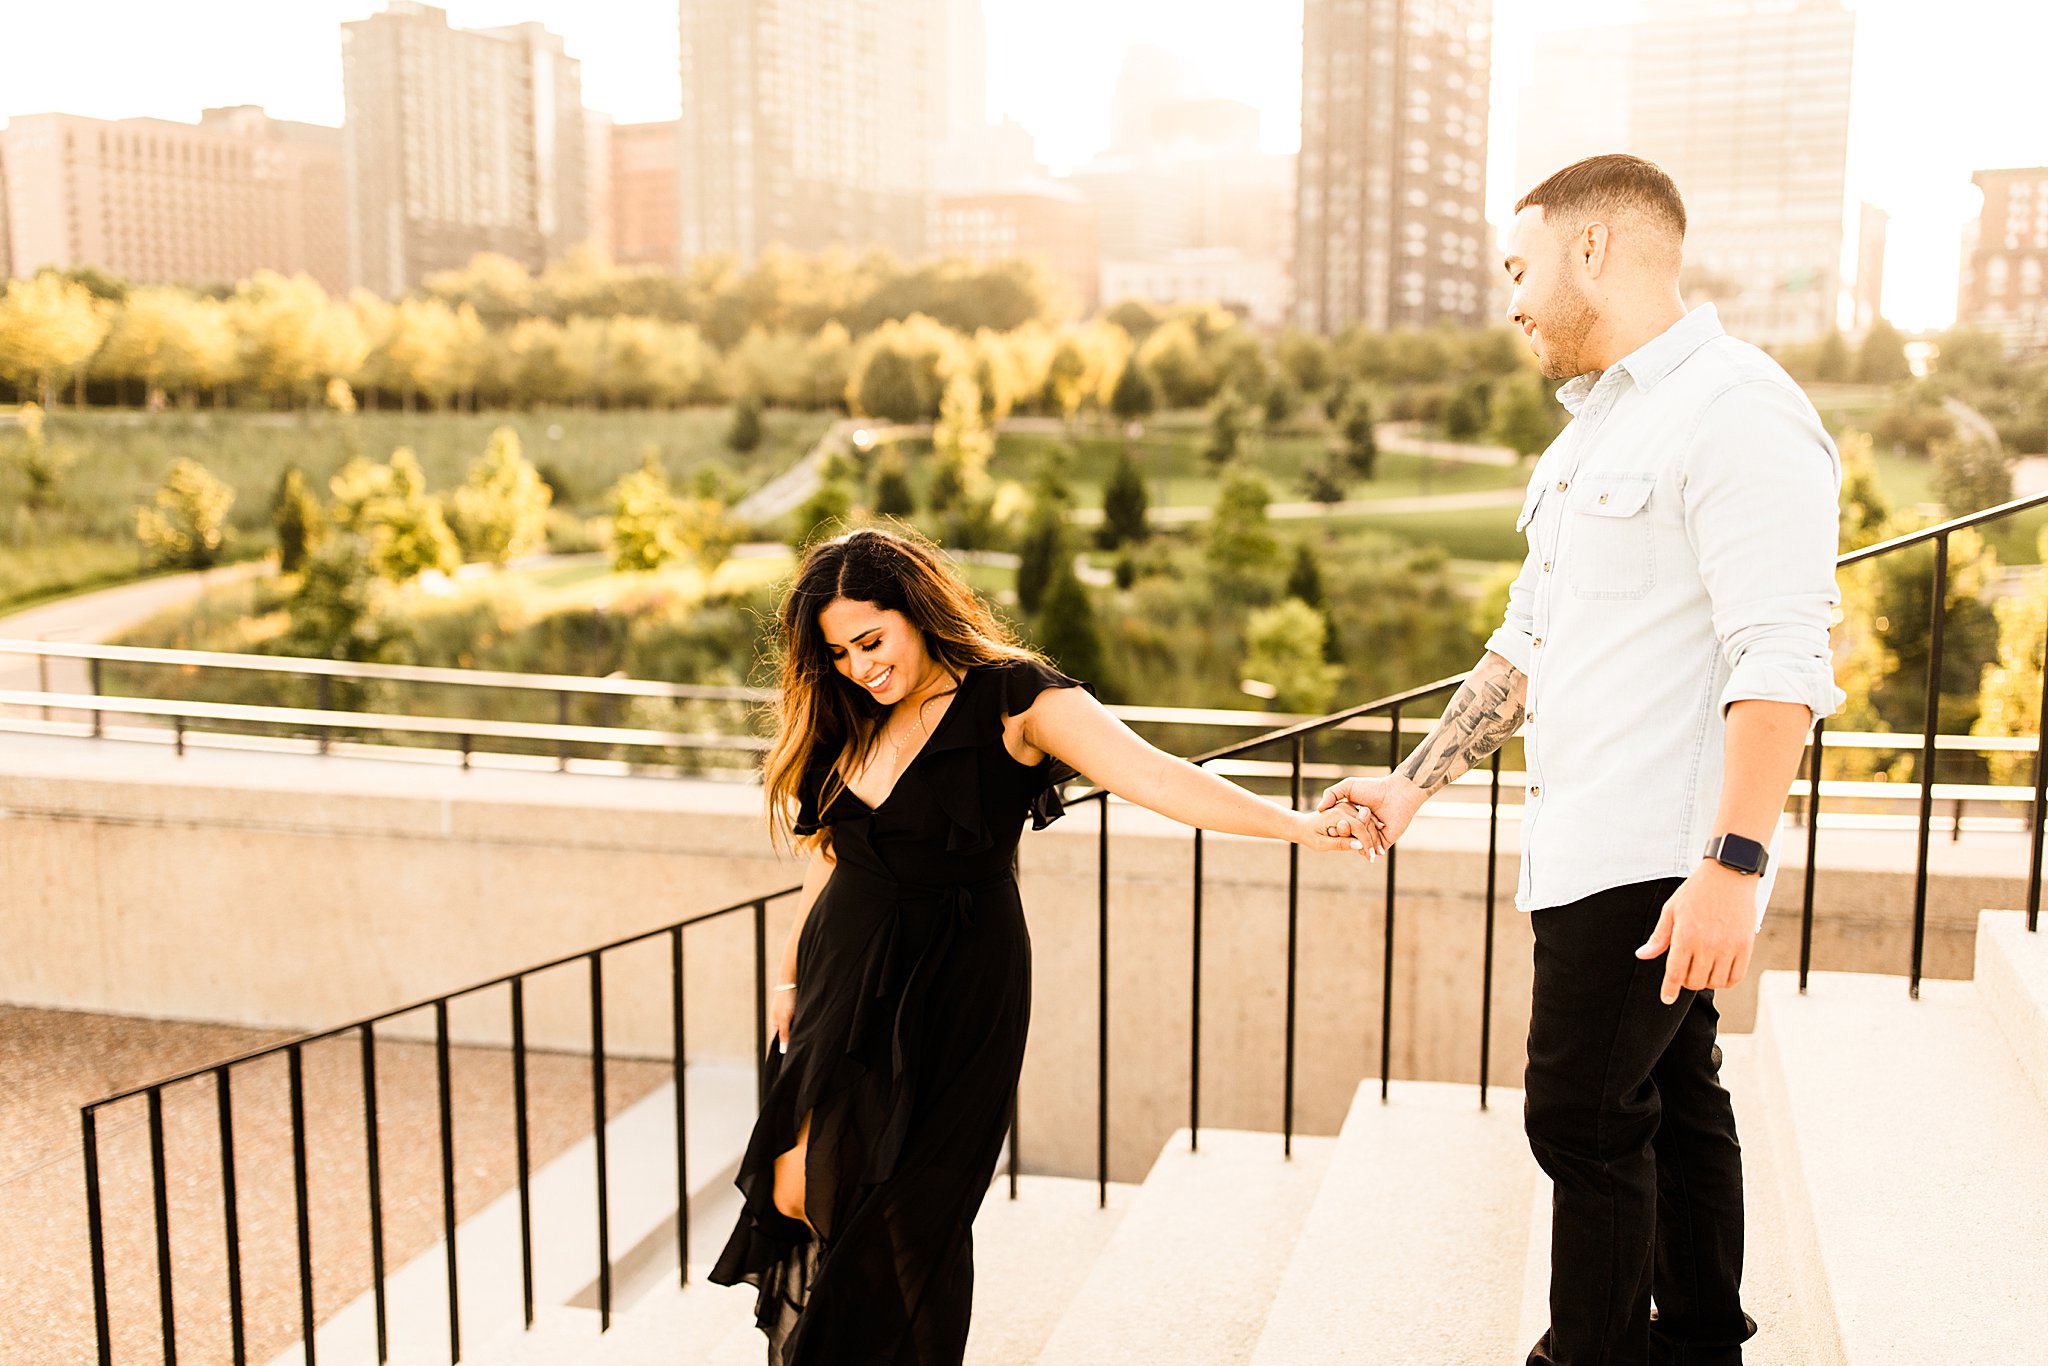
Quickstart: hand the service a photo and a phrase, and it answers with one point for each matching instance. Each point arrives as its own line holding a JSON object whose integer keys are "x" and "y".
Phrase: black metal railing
{"x": 222, "y": 1075}
{"x": 1394, "y": 716}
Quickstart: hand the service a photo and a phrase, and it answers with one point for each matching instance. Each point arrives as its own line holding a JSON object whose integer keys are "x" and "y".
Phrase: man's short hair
{"x": 1588, "y": 191}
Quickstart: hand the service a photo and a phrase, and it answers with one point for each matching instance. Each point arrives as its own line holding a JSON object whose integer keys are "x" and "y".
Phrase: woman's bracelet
{"x": 785, "y": 986}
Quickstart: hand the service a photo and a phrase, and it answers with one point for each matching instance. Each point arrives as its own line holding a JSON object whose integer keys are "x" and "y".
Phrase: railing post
{"x": 1812, "y": 851}
{"x": 308, "y": 1322}
{"x": 373, "y": 1158}
{"x": 231, "y": 1218}
{"x": 1195, "y": 1012}
{"x": 445, "y": 1091}
{"x": 522, "y": 1147}
{"x": 160, "y": 1196}
{"x": 99, "y": 718}
{"x": 2034, "y": 831}
{"x": 96, "y": 1233}
{"x": 324, "y": 687}
{"x": 1927, "y": 732}
{"x": 1387, "y": 967}
{"x": 604, "y": 1209}
{"x": 562, "y": 719}
{"x": 675, "y": 967}
{"x": 1293, "y": 954}
{"x": 1486, "y": 970}
{"x": 761, "y": 1002}
{"x": 1102, "y": 1005}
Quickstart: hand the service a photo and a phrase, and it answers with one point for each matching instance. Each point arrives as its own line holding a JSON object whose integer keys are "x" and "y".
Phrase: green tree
{"x": 1039, "y": 558}
{"x": 1135, "y": 398}
{"x": 1304, "y": 358}
{"x": 1305, "y": 583}
{"x": 1285, "y": 648}
{"x": 1524, "y": 416}
{"x": 1468, "y": 411}
{"x": 42, "y": 462}
{"x": 389, "y": 506}
{"x": 501, "y": 512}
{"x": 708, "y": 534}
{"x": 295, "y": 514}
{"x": 645, "y": 534}
{"x": 1866, "y": 511}
{"x": 185, "y": 525}
{"x": 1831, "y": 361}
{"x": 1322, "y": 481}
{"x": 893, "y": 494}
{"x": 1881, "y": 359}
{"x": 744, "y": 435}
{"x": 1970, "y": 475}
{"x": 49, "y": 329}
{"x": 1065, "y": 627}
{"x": 338, "y": 610}
{"x": 1360, "y": 444}
{"x": 1226, "y": 430}
{"x": 961, "y": 446}
{"x": 1282, "y": 399}
{"x": 1241, "y": 548}
{"x": 2009, "y": 700}
{"x": 822, "y": 514}
{"x": 1124, "y": 505}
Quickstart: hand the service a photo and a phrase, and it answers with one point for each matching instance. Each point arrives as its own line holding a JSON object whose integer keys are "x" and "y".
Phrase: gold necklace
{"x": 918, "y": 724}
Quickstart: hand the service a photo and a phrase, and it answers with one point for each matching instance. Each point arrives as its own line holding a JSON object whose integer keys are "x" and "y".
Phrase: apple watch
{"x": 1745, "y": 856}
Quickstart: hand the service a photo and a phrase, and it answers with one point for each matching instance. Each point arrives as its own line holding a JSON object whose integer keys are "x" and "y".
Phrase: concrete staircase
{"x": 1897, "y": 1166}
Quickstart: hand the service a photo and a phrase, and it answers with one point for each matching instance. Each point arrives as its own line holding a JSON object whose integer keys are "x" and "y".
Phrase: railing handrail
{"x": 1941, "y": 529}
{"x": 439, "y": 998}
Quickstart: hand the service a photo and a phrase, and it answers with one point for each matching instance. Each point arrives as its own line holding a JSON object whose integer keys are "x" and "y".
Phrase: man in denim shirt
{"x": 1666, "y": 645}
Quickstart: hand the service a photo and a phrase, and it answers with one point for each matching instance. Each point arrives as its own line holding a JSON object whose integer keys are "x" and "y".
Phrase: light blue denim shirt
{"x": 1682, "y": 539}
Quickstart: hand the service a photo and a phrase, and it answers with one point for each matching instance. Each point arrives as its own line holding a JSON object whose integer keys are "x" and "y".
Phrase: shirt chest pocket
{"x": 1612, "y": 550}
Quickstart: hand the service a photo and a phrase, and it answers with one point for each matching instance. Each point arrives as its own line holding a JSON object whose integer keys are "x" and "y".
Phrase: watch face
{"x": 1743, "y": 855}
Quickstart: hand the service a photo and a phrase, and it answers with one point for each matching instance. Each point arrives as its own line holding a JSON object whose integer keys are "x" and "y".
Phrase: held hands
{"x": 1390, "y": 803}
{"x": 1345, "y": 828}
{"x": 1708, "y": 927}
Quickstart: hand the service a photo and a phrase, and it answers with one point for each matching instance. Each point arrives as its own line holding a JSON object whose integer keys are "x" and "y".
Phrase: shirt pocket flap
{"x": 1612, "y": 495}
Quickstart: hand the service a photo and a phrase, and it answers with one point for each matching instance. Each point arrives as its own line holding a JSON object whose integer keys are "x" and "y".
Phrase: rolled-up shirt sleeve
{"x": 1762, "y": 485}
{"x": 1511, "y": 640}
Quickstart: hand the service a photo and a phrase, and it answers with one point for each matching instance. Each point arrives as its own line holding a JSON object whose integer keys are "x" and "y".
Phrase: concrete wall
{"x": 295, "y": 892}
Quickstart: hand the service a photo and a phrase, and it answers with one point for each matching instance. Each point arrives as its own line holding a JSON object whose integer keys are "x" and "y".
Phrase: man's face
{"x": 1548, "y": 303}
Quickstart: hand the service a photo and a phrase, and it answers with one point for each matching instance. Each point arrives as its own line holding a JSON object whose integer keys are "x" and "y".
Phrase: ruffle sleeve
{"x": 1019, "y": 684}
{"x": 809, "y": 819}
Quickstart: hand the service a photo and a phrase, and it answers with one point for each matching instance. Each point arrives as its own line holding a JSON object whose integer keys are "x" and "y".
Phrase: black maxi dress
{"x": 913, "y": 995}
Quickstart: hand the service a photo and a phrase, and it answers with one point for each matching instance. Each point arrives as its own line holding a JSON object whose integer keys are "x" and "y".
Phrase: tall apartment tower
{"x": 809, "y": 124}
{"x": 160, "y": 202}
{"x": 2004, "y": 287}
{"x": 1390, "y": 225}
{"x": 458, "y": 141}
{"x": 1746, "y": 104}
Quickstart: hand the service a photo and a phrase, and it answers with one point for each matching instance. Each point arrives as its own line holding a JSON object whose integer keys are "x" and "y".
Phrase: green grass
{"x": 120, "y": 457}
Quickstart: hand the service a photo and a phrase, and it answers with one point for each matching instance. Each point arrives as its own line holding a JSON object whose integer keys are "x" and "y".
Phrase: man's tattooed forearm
{"x": 1486, "y": 711}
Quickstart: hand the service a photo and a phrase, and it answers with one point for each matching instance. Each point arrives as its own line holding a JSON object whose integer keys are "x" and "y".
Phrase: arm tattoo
{"x": 1486, "y": 711}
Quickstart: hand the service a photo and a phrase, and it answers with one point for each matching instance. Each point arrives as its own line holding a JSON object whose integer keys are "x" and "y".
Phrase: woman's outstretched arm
{"x": 1074, "y": 728}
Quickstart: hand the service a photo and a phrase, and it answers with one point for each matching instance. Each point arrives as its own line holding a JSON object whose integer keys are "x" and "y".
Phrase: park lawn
{"x": 1177, "y": 475}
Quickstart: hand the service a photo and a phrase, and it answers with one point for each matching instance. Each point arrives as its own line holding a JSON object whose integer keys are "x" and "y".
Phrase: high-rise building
{"x": 643, "y": 194}
{"x": 1873, "y": 226}
{"x": 160, "y": 202}
{"x": 2003, "y": 290}
{"x": 1389, "y": 208}
{"x": 809, "y": 124}
{"x": 459, "y": 141}
{"x": 597, "y": 179}
{"x": 6, "y": 243}
{"x": 1746, "y": 104}
{"x": 966, "y": 70}
{"x": 1047, "y": 223}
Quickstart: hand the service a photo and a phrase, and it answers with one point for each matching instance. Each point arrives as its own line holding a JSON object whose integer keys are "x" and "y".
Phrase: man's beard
{"x": 1571, "y": 318}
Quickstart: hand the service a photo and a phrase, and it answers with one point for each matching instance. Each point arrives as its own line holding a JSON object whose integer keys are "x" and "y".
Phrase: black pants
{"x": 1626, "y": 1114}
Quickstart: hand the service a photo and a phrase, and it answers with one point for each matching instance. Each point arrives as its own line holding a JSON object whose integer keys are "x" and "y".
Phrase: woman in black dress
{"x": 915, "y": 738}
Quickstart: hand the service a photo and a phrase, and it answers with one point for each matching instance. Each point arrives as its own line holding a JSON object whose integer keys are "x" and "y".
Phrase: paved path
{"x": 1351, "y": 507}
{"x": 99, "y": 616}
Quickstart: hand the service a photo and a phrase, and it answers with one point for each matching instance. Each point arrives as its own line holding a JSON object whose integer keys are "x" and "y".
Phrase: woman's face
{"x": 878, "y": 650}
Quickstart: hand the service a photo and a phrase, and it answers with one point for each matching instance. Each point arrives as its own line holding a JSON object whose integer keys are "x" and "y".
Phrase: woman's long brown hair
{"x": 817, "y": 711}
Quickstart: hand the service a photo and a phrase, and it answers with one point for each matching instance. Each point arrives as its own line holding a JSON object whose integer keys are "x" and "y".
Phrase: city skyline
{"x": 1965, "y": 71}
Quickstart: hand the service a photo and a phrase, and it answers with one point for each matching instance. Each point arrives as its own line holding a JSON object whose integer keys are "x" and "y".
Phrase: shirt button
{"x": 1546, "y": 566}
{"x": 1603, "y": 497}
{"x": 1535, "y": 791}
{"x": 1561, "y": 485}
{"x": 1538, "y": 642}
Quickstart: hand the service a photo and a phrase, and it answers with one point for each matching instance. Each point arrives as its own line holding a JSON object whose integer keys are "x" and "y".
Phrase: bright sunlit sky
{"x": 1940, "y": 89}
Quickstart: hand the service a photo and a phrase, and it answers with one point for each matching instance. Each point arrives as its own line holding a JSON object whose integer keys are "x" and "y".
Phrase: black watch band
{"x": 1743, "y": 855}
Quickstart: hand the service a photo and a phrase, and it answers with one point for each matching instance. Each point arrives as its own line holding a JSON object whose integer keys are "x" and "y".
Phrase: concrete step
{"x": 640, "y": 1151}
{"x": 2012, "y": 975}
{"x": 1795, "y": 1325}
{"x": 1189, "y": 1275}
{"x": 1030, "y": 1256}
{"x": 1916, "y": 1138}
{"x": 1414, "y": 1248}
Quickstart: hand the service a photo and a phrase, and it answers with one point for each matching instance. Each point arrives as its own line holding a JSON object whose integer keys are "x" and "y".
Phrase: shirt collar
{"x": 1654, "y": 359}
